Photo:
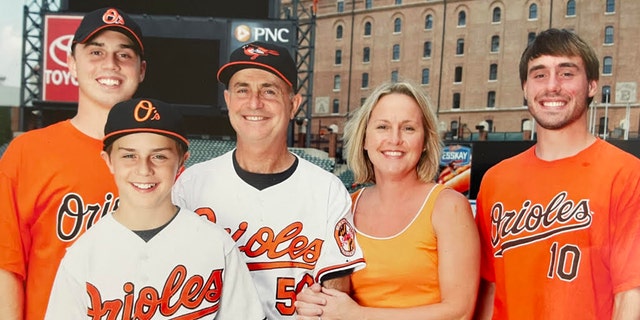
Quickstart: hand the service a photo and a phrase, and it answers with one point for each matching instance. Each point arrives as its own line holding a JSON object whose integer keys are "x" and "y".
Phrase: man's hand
{"x": 309, "y": 302}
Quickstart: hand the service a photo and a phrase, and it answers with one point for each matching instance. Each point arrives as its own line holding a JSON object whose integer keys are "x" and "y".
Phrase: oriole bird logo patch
{"x": 255, "y": 51}
{"x": 345, "y": 237}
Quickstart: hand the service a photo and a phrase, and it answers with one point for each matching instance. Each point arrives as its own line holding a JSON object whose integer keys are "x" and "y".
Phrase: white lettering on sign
{"x": 269, "y": 34}
{"x": 454, "y": 155}
{"x": 58, "y": 77}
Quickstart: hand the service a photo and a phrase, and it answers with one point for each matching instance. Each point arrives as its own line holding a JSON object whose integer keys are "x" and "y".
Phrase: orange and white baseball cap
{"x": 144, "y": 115}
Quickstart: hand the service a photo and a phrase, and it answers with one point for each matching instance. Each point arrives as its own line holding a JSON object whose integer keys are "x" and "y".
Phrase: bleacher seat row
{"x": 205, "y": 149}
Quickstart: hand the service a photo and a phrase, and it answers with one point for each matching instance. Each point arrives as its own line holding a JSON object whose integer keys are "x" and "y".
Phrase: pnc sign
{"x": 243, "y": 32}
{"x": 57, "y": 82}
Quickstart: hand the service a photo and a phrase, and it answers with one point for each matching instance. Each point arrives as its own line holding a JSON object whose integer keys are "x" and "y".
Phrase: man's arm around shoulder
{"x": 12, "y": 293}
{"x": 342, "y": 283}
{"x": 484, "y": 303}
{"x": 627, "y": 305}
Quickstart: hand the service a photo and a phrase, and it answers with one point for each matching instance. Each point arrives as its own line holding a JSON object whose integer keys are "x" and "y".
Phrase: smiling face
{"x": 107, "y": 68}
{"x": 144, "y": 166}
{"x": 557, "y": 91}
{"x": 260, "y": 106}
{"x": 394, "y": 138}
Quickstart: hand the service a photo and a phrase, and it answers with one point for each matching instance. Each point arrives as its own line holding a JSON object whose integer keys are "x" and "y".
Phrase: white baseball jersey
{"x": 189, "y": 270}
{"x": 292, "y": 234}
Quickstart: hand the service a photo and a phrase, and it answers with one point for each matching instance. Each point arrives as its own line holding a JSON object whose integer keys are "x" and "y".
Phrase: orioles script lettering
{"x": 186, "y": 293}
{"x": 286, "y": 242}
{"x": 74, "y": 216}
{"x": 265, "y": 241}
{"x": 535, "y": 222}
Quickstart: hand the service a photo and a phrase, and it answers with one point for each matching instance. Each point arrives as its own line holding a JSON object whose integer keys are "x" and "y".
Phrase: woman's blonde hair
{"x": 356, "y": 127}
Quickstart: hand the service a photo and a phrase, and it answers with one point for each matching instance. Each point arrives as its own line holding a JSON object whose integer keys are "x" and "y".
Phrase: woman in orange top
{"x": 418, "y": 237}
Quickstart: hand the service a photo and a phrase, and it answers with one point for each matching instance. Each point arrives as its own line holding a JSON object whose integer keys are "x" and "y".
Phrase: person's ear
{"x": 296, "y": 102}
{"x": 71, "y": 64}
{"x": 143, "y": 70}
{"x": 107, "y": 159}
{"x": 185, "y": 157}
{"x": 592, "y": 88}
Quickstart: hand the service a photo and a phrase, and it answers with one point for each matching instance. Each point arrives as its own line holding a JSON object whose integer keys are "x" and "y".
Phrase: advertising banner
{"x": 455, "y": 167}
{"x": 278, "y": 32}
{"x": 57, "y": 83}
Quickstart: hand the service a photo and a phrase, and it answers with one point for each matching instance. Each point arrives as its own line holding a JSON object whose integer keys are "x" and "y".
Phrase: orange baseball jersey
{"x": 561, "y": 238}
{"x": 402, "y": 270}
{"x": 53, "y": 186}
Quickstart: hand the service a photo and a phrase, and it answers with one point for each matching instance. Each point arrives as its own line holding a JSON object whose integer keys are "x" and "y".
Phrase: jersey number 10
{"x": 564, "y": 262}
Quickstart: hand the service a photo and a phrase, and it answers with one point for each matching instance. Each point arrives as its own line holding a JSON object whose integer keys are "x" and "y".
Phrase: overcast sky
{"x": 11, "y": 41}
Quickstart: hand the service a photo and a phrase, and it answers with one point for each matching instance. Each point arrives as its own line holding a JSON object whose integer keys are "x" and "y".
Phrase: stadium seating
{"x": 3, "y": 148}
{"x": 346, "y": 176}
{"x": 205, "y": 149}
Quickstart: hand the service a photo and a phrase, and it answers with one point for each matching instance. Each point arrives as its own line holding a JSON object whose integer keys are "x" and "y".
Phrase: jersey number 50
{"x": 286, "y": 293}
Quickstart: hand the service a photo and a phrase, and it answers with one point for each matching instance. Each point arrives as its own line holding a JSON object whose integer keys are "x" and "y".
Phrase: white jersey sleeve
{"x": 177, "y": 193}
{"x": 340, "y": 250}
{"x": 239, "y": 296}
{"x": 68, "y": 296}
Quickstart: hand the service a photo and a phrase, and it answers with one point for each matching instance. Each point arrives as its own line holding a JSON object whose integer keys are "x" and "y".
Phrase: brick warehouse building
{"x": 465, "y": 53}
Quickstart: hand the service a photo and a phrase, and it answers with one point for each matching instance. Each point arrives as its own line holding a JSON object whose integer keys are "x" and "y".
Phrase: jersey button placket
{"x": 143, "y": 267}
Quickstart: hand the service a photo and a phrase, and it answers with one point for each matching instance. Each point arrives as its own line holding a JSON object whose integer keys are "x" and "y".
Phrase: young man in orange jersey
{"x": 561, "y": 239}
{"x": 53, "y": 183}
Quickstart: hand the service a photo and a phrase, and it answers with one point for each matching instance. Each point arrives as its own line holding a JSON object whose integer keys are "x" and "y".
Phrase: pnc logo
{"x": 242, "y": 33}
{"x": 245, "y": 33}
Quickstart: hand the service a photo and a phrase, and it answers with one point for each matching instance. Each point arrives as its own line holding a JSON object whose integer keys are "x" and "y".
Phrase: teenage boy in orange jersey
{"x": 53, "y": 183}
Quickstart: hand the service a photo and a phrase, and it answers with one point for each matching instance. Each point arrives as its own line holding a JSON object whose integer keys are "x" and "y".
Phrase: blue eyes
{"x": 157, "y": 156}
{"x": 383, "y": 127}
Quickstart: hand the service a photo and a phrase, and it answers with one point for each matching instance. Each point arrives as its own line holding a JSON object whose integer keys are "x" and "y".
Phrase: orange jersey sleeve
{"x": 54, "y": 185}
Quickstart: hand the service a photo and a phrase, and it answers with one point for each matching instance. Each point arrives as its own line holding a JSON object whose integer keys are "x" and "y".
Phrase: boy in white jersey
{"x": 151, "y": 259}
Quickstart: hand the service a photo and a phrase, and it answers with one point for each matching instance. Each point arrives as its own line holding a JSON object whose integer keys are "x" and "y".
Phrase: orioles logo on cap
{"x": 255, "y": 51}
{"x": 112, "y": 16}
{"x": 345, "y": 237}
{"x": 144, "y": 111}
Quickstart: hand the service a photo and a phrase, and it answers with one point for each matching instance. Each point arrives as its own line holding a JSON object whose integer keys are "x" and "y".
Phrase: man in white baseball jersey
{"x": 290, "y": 218}
{"x": 151, "y": 259}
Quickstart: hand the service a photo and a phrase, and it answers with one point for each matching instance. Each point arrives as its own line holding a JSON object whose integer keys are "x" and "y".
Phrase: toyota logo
{"x": 60, "y": 48}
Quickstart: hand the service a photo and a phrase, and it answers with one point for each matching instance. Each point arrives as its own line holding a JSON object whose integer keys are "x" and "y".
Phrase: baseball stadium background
{"x": 186, "y": 42}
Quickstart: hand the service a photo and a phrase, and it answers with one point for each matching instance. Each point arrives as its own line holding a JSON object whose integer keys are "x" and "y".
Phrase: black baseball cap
{"x": 144, "y": 115}
{"x": 266, "y": 56}
{"x": 108, "y": 18}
